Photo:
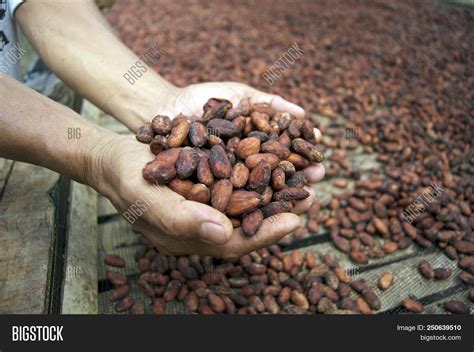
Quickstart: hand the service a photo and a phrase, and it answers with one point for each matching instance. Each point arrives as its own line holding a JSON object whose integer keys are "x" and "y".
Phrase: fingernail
{"x": 212, "y": 233}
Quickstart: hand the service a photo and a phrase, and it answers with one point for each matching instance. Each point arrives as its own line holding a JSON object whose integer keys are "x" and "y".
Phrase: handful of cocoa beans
{"x": 245, "y": 161}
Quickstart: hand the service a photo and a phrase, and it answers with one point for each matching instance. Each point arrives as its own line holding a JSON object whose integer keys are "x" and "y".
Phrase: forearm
{"x": 36, "y": 130}
{"x": 77, "y": 43}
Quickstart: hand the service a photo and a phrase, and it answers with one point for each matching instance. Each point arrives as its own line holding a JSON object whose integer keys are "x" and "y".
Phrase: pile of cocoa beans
{"x": 401, "y": 91}
{"x": 266, "y": 281}
{"x": 246, "y": 161}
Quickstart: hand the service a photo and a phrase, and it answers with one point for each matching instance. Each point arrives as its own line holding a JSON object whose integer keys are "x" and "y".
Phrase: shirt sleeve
{"x": 13, "y": 5}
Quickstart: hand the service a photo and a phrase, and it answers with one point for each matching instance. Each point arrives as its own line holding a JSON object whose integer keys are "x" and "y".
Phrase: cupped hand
{"x": 173, "y": 224}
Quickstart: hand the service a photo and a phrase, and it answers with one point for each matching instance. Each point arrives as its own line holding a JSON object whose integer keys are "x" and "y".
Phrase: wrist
{"x": 98, "y": 162}
{"x": 150, "y": 96}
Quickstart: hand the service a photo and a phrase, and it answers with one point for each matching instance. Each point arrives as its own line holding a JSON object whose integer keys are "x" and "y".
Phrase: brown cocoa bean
{"x": 204, "y": 173}
{"x": 145, "y": 134}
{"x": 252, "y": 222}
{"x": 219, "y": 163}
{"x": 298, "y": 180}
{"x": 159, "y": 306}
{"x": 299, "y": 300}
{"x": 222, "y": 128}
{"x": 385, "y": 281}
{"x": 426, "y": 269}
{"x": 178, "y": 134}
{"x": 216, "y": 303}
{"x": 298, "y": 161}
{"x": 274, "y": 147}
{"x": 455, "y": 307}
{"x": 242, "y": 202}
{"x": 114, "y": 260}
{"x": 259, "y": 177}
{"x": 125, "y": 304}
{"x": 294, "y": 129}
{"x": 187, "y": 162}
{"x": 253, "y": 160}
{"x": 261, "y": 122}
{"x": 199, "y": 193}
{"x": 197, "y": 134}
{"x": 159, "y": 172}
{"x": 240, "y": 175}
{"x": 182, "y": 187}
{"x": 442, "y": 273}
{"x": 119, "y": 293}
{"x": 278, "y": 179}
{"x": 216, "y": 109}
{"x": 413, "y": 305}
{"x": 307, "y": 128}
{"x": 291, "y": 193}
{"x": 161, "y": 125}
{"x": 276, "y": 208}
{"x": 158, "y": 144}
{"x": 116, "y": 278}
{"x": 220, "y": 194}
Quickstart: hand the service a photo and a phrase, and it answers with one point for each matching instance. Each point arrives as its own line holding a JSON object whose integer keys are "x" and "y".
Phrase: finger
{"x": 303, "y": 205}
{"x": 272, "y": 230}
{"x": 192, "y": 220}
{"x": 315, "y": 173}
{"x": 278, "y": 104}
{"x": 317, "y": 135}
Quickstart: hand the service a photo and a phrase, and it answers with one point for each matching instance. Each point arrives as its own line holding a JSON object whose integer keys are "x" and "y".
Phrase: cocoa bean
{"x": 197, "y": 134}
{"x": 276, "y": 208}
{"x": 259, "y": 177}
{"x": 291, "y": 194}
{"x": 242, "y": 202}
{"x": 442, "y": 273}
{"x": 178, "y": 134}
{"x": 261, "y": 121}
{"x": 274, "y": 147}
{"x": 307, "y": 150}
{"x": 119, "y": 293}
{"x": 161, "y": 125}
{"x": 114, "y": 260}
{"x": 220, "y": 194}
{"x": 455, "y": 307}
{"x": 254, "y": 159}
{"x": 199, "y": 193}
{"x": 385, "y": 281}
{"x": 222, "y": 128}
{"x": 159, "y": 172}
{"x": 145, "y": 134}
{"x": 413, "y": 305}
{"x": 219, "y": 163}
{"x": 125, "y": 304}
{"x": 158, "y": 144}
{"x": 116, "y": 278}
{"x": 252, "y": 222}
{"x": 216, "y": 109}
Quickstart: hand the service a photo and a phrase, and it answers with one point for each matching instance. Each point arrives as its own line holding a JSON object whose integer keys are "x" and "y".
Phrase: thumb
{"x": 192, "y": 220}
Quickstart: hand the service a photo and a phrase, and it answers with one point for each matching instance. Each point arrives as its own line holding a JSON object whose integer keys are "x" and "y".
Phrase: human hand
{"x": 173, "y": 224}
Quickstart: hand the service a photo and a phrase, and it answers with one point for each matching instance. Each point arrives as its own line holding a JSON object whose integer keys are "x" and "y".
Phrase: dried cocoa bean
{"x": 219, "y": 163}
{"x": 161, "y": 125}
{"x": 242, "y": 202}
{"x": 252, "y": 222}
{"x": 114, "y": 260}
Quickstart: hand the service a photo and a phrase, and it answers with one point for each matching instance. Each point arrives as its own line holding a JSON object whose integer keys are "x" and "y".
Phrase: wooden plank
{"x": 26, "y": 234}
{"x": 80, "y": 281}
